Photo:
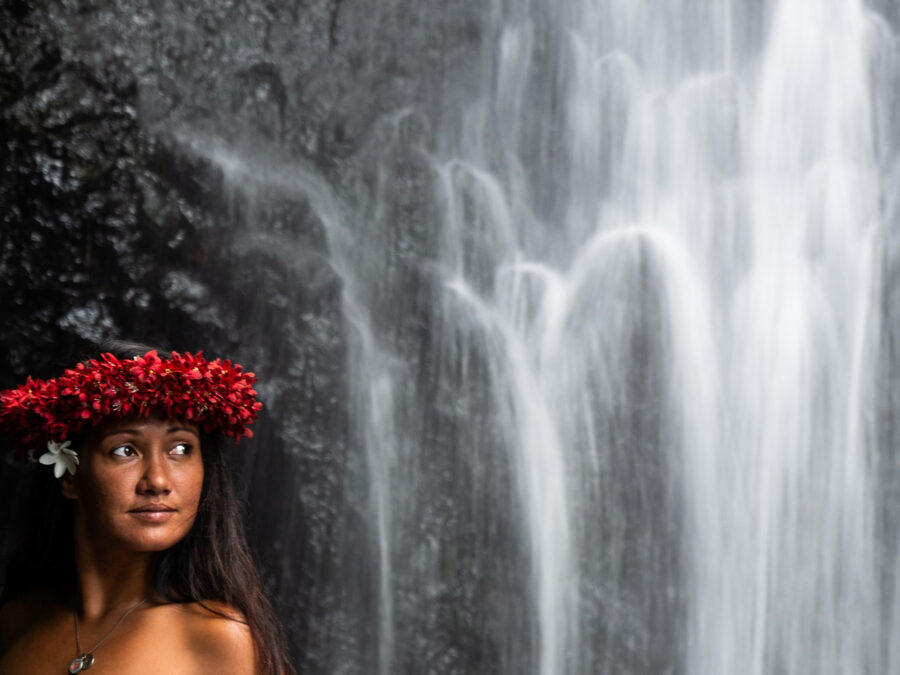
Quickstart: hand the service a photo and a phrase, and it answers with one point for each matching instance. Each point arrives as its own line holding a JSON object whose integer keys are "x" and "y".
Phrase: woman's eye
{"x": 123, "y": 451}
{"x": 181, "y": 449}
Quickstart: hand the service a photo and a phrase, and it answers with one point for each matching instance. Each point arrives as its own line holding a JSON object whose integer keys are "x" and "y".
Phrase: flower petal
{"x": 71, "y": 463}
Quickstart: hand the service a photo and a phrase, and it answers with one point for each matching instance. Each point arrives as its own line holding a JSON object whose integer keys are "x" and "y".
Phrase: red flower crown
{"x": 215, "y": 395}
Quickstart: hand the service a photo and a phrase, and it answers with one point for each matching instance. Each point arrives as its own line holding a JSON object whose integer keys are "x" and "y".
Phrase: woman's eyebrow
{"x": 172, "y": 430}
{"x": 113, "y": 432}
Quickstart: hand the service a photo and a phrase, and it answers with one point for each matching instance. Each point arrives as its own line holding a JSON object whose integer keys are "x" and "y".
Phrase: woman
{"x": 133, "y": 558}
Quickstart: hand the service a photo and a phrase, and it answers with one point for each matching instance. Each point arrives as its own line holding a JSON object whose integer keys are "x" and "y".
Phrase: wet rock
{"x": 155, "y": 186}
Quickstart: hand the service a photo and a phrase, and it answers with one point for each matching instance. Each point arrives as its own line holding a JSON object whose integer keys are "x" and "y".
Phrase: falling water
{"x": 661, "y": 225}
{"x": 616, "y": 332}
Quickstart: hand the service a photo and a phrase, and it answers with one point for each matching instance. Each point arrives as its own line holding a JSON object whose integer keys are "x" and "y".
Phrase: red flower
{"x": 216, "y": 395}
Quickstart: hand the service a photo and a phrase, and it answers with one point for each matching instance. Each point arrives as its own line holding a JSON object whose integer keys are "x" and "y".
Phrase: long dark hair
{"x": 211, "y": 564}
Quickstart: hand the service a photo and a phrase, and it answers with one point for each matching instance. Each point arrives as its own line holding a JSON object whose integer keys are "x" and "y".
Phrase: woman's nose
{"x": 155, "y": 479}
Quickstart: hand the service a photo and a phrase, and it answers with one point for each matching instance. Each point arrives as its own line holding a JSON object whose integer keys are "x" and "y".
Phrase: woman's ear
{"x": 67, "y": 487}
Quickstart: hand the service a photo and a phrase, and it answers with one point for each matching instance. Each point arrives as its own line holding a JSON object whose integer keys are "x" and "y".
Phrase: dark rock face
{"x": 111, "y": 230}
{"x": 124, "y": 216}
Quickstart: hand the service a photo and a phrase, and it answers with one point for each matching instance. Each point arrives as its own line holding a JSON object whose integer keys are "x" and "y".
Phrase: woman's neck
{"x": 108, "y": 577}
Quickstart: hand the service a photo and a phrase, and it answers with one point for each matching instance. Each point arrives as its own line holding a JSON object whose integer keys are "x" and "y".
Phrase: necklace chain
{"x": 108, "y": 633}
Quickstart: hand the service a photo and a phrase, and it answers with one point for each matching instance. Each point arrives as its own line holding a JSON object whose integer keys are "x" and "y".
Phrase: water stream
{"x": 662, "y": 226}
{"x": 615, "y": 285}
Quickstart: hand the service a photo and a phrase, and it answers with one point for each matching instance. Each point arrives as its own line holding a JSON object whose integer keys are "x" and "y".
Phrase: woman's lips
{"x": 153, "y": 514}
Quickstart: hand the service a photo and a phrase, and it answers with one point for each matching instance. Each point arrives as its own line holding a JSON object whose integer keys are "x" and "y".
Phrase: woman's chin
{"x": 151, "y": 536}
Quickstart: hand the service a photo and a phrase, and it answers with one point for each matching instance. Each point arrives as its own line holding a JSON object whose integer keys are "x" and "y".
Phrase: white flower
{"x": 61, "y": 456}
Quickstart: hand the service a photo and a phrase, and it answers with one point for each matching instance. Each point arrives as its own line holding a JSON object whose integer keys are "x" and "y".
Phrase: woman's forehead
{"x": 141, "y": 426}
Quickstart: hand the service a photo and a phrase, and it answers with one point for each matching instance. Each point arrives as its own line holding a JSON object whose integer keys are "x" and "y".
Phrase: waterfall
{"x": 575, "y": 320}
{"x": 645, "y": 286}
{"x": 664, "y": 223}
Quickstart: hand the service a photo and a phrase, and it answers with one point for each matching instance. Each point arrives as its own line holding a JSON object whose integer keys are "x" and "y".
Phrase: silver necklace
{"x": 86, "y": 659}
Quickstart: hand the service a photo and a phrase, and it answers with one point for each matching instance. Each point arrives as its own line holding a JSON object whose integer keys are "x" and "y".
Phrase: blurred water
{"x": 661, "y": 229}
{"x": 617, "y": 328}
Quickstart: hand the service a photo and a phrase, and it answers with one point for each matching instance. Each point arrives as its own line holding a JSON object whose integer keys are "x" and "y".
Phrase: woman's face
{"x": 138, "y": 484}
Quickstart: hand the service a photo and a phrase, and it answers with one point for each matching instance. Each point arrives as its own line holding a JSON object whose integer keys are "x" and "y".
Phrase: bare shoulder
{"x": 219, "y": 636}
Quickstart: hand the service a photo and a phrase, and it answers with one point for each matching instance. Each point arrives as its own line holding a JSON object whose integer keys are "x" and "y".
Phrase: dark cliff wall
{"x": 124, "y": 215}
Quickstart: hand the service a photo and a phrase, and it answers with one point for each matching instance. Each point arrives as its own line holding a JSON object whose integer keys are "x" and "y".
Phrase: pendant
{"x": 80, "y": 663}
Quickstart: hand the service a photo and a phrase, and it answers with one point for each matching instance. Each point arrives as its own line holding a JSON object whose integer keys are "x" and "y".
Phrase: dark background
{"x": 111, "y": 229}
